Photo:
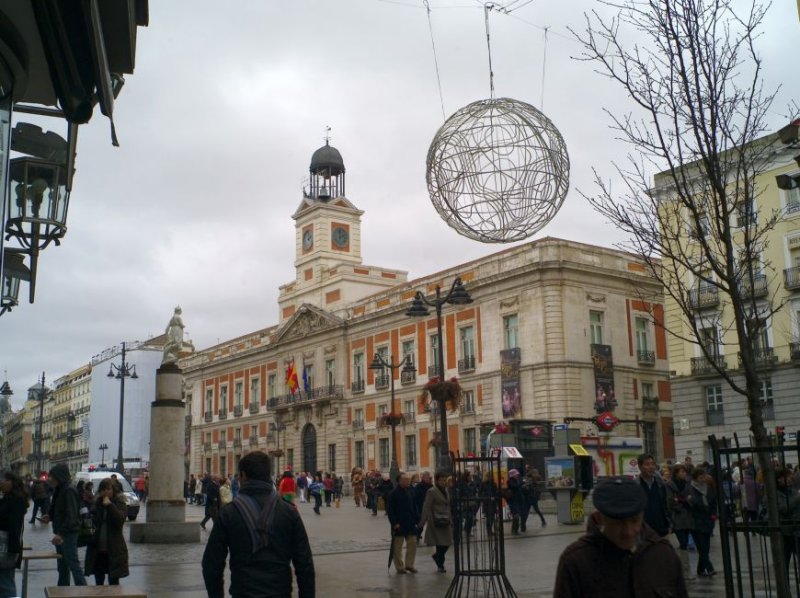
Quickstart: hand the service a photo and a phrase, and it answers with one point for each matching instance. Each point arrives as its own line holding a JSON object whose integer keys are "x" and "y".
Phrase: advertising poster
{"x": 559, "y": 472}
{"x": 509, "y": 382}
{"x": 604, "y": 397}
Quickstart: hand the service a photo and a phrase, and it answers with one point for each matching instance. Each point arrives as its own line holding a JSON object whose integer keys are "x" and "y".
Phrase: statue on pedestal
{"x": 174, "y": 331}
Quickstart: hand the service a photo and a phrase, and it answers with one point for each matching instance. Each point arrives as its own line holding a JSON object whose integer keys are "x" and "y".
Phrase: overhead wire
{"x": 435, "y": 58}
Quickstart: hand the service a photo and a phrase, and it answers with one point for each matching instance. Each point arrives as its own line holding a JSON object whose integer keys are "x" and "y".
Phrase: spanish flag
{"x": 291, "y": 378}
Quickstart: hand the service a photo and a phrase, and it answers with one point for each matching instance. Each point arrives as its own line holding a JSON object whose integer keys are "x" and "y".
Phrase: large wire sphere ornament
{"x": 498, "y": 170}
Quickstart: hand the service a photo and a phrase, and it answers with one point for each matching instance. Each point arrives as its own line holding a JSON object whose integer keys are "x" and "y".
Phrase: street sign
{"x": 560, "y": 427}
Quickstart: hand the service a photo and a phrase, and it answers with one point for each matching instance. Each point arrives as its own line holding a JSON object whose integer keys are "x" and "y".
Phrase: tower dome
{"x": 327, "y": 173}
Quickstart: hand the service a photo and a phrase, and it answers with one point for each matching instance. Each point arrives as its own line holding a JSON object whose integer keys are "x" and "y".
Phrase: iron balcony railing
{"x": 467, "y": 364}
{"x": 408, "y": 378}
{"x": 646, "y": 357}
{"x": 758, "y": 288}
{"x": 765, "y": 358}
{"x": 253, "y": 441}
{"x": 433, "y": 371}
{"x": 703, "y": 367}
{"x": 304, "y": 397}
{"x": 238, "y": 410}
{"x": 222, "y": 444}
{"x": 791, "y": 278}
{"x": 794, "y": 351}
{"x": 650, "y": 403}
{"x": 468, "y": 409}
{"x": 207, "y": 447}
{"x": 357, "y": 387}
{"x": 410, "y": 417}
{"x": 381, "y": 382}
{"x": 358, "y": 425}
{"x": 254, "y": 407}
{"x": 237, "y": 443}
{"x": 223, "y": 414}
{"x": 703, "y": 296}
{"x": 208, "y": 416}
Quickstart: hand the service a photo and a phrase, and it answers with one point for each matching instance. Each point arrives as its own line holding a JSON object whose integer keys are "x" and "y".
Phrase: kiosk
{"x": 569, "y": 475}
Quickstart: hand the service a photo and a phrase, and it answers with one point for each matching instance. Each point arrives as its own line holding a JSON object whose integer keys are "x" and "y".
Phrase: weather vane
{"x": 327, "y": 135}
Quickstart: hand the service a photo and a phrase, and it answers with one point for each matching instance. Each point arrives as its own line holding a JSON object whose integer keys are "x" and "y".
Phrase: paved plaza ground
{"x": 350, "y": 555}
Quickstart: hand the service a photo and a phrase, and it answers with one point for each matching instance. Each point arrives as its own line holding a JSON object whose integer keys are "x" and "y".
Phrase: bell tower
{"x": 328, "y": 263}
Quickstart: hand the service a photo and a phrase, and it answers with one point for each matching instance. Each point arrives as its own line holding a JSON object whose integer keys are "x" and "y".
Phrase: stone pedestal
{"x": 166, "y": 508}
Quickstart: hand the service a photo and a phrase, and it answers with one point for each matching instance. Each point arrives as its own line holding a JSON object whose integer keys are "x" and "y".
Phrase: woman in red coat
{"x": 287, "y": 487}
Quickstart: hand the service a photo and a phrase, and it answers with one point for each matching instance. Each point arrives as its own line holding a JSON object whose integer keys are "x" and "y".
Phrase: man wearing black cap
{"x": 619, "y": 556}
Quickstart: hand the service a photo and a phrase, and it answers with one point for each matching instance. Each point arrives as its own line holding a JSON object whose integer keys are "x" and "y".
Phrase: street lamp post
{"x": 457, "y": 295}
{"x": 103, "y": 448}
{"x": 41, "y": 392}
{"x": 379, "y": 363}
{"x": 120, "y": 372}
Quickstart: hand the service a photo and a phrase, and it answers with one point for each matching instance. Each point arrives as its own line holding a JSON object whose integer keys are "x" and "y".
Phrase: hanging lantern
{"x": 38, "y": 200}
{"x": 14, "y": 272}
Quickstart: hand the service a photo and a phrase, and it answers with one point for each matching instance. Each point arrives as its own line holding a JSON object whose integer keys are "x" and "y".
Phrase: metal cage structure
{"x": 478, "y": 543}
{"x": 497, "y": 171}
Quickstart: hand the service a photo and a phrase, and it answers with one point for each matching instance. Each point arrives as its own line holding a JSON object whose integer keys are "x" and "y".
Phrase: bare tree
{"x": 700, "y": 116}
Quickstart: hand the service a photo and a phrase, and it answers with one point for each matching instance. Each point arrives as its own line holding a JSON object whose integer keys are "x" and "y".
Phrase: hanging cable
{"x": 486, "y": 9}
{"x": 544, "y": 65}
{"x": 435, "y": 58}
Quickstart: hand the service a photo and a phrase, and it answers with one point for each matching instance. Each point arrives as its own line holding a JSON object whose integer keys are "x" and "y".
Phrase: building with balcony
{"x": 72, "y": 399}
{"x": 555, "y": 305}
{"x": 704, "y": 402}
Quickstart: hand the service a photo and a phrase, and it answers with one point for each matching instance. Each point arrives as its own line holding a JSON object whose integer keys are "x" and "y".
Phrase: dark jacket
{"x": 266, "y": 573}
{"x": 65, "y": 510}
{"x": 677, "y": 500}
{"x": 12, "y": 520}
{"x": 656, "y": 513}
{"x": 401, "y": 511}
{"x": 703, "y": 510}
{"x": 594, "y": 567}
{"x": 419, "y": 497}
{"x": 112, "y": 518}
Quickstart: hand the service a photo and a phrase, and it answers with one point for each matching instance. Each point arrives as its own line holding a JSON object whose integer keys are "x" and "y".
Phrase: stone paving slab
{"x": 350, "y": 554}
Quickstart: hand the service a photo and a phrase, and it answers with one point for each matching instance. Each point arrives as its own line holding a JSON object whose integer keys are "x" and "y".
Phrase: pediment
{"x": 309, "y": 319}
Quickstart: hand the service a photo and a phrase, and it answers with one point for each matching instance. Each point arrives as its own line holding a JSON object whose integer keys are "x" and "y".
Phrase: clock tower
{"x": 328, "y": 265}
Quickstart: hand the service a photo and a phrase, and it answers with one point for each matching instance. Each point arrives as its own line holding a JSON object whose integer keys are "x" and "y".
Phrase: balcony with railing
{"x": 254, "y": 407}
{"x": 238, "y": 410}
{"x": 703, "y": 297}
{"x": 646, "y": 357}
{"x": 407, "y": 378}
{"x": 381, "y": 381}
{"x": 467, "y": 364}
{"x": 757, "y": 289}
{"x": 223, "y": 414}
{"x": 321, "y": 394}
{"x": 410, "y": 417}
{"x": 715, "y": 417}
{"x": 467, "y": 409}
{"x": 237, "y": 443}
{"x": 765, "y": 358}
{"x": 358, "y": 425}
{"x": 703, "y": 367}
{"x": 650, "y": 403}
{"x": 207, "y": 447}
{"x": 791, "y": 279}
{"x": 208, "y": 416}
{"x": 357, "y": 387}
{"x": 222, "y": 444}
{"x": 794, "y": 352}
{"x": 433, "y": 371}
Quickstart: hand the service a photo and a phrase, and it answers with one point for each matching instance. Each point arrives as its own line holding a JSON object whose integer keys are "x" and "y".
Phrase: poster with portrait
{"x": 604, "y": 397}
{"x": 511, "y": 399}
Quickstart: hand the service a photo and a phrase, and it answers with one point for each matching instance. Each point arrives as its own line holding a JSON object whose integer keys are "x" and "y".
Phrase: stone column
{"x": 166, "y": 508}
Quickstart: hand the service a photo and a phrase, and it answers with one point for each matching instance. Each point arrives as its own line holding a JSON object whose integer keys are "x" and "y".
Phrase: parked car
{"x": 130, "y": 496}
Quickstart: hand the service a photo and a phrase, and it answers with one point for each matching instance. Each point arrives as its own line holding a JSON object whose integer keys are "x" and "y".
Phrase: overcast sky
{"x": 217, "y": 126}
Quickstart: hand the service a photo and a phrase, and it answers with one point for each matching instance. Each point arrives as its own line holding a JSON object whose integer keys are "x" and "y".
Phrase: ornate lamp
{"x": 14, "y": 272}
{"x": 37, "y": 207}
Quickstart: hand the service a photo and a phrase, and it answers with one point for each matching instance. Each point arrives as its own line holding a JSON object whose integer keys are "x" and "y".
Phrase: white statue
{"x": 174, "y": 331}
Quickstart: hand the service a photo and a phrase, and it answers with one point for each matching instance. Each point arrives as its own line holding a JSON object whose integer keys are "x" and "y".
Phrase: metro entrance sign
{"x": 607, "y": 421}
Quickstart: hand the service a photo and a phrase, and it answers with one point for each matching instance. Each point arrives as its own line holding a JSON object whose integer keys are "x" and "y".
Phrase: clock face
{"x": 308, "y": 239}
{"x": 340, "y": 236}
